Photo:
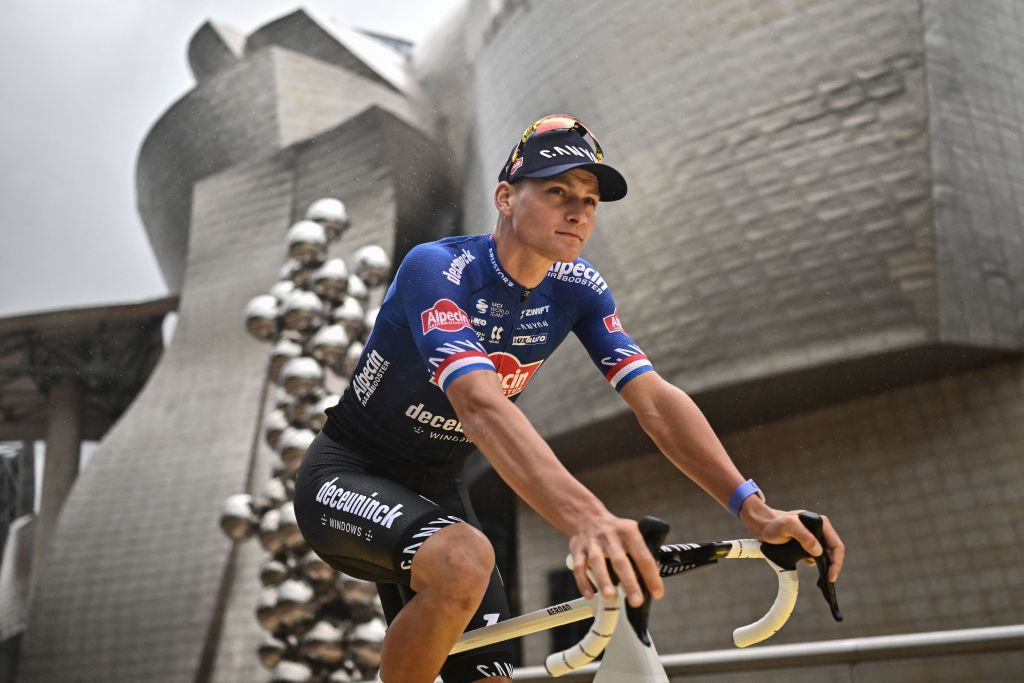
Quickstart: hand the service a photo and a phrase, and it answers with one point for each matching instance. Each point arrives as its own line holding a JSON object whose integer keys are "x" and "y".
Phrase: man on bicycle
{"x": 463, "y": 328}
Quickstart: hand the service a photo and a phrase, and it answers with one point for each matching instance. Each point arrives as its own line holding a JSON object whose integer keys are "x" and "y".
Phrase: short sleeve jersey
{"x": 451, "y": 310}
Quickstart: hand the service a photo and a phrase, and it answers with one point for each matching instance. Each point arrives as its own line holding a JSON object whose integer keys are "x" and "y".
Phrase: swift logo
{"x": 444, "y": 315}
{"x": 358, "y": 504}
{"x": 612, "y": 323}
{"x": 514, "y": 375}
{"x": 457, "y": 266}
{"x": 481, "y": 307}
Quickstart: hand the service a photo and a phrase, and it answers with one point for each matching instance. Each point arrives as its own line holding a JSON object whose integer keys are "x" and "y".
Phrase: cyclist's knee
{"x": 456, "y": 561}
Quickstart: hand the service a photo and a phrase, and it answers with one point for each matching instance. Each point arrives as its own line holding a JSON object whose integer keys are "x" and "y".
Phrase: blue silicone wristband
{"x": 742, "y": 492}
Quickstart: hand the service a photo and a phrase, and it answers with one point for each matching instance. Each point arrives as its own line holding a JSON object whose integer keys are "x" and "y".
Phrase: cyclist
{"x": 465, "y": 325}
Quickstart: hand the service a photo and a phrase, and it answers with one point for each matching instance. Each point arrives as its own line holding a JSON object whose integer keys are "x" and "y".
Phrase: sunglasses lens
{"x": 555, "y": 123}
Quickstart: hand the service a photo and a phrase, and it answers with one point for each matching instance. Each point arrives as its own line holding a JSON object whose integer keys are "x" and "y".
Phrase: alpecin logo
{"x": 513, "y": 374}
{"x": 612, "y": 322}
{"x": 366, "y": 381}
{"x": 444, "y": 315}
{"x": 457, "y": 266}
{"x": 578, "y": 273}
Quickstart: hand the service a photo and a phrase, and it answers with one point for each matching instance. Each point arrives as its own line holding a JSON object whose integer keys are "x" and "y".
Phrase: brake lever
{"x": 787, "y": 554}
{"x": 816, "y": 525}
{"x": 654, "y": 532}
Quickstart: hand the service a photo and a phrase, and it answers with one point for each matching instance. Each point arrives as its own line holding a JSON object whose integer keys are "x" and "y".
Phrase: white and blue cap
{"x": 556, "y": 144}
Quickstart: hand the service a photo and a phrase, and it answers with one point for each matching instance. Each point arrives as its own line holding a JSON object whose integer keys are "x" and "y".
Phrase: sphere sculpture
{"x": 320, "y": 625}
{"x": 330, "y": 213}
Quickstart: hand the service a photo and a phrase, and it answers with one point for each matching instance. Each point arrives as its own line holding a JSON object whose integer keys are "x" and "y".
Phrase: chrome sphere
{"x": 352, "y": 356}
{"x": 330, "y": 213}
{"x": 302, "y": 410}
{"x": 361, "y": 598}
{"x": 315, "y": 569}
{"x": 331, "y": 279}
{"x": 271, "y": 651}
{"x": 275, "y": 423}
{"x": 329, "y": 344}
{"x": 302, "y": 377}
{"x": 282, "y": 291}
{"x": 237, "y": 517}
{"x": 295, "y": 602}
{"x": 297, "y": 273}
{"x": 270, "y": 533}
{"x": 291, "y": 672}
{"x": 307, "y": 243}
{"x": 261, "y": 317}
{"x": 266, "y": 610}
{"x": 319, "y": 417}
{"x": 324, "y": 643}
{"x": 372, "y": 264}
{"x": 370, "y": 319}
{"x": 273, "y": 493}
{"x": 365, "y": 642}
{"x": 289, "y": 527}
{"x": 282, "y": 352}
{"x": 356, "y": 591}
{"x": 350, "y": 316}
{"x": 303, "y": 311}
{"x": 358, "y": 290}
{"x": 273, "y": 572}
{"x": 293, "y": 446}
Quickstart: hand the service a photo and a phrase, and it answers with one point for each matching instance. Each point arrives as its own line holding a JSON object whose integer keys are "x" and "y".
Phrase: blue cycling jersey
{"x": 452, "y": 309}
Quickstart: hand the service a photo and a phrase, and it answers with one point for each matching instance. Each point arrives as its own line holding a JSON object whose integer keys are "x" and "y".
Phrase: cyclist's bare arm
{"x": 528, "y": 465}
{"x": 682, "y": 433}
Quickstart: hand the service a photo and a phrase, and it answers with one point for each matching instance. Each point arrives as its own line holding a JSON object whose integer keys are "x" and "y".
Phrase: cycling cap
{"x": 556, "y": 144}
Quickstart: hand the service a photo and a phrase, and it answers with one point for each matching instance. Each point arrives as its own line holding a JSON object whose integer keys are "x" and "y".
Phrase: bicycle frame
{"x": 629, "y": 652}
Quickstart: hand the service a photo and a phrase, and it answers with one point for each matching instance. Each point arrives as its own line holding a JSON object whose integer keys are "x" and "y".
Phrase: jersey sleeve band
{"x": 626, "y": 369}
{"x": 458, "y": 364}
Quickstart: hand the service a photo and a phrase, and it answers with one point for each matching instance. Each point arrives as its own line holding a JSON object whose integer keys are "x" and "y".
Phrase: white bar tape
{"x": 770, "y": 623}
{"x": 593, "y": 644}
{"x": 744, "y": 549}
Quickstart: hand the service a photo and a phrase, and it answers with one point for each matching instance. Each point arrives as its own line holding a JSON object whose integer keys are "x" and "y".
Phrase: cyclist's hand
{"x": 614, "y": 540}
{"x": 778, "y": 526}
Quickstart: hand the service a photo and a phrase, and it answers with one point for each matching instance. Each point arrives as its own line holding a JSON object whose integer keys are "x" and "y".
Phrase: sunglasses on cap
{"x": 556, "y": 122}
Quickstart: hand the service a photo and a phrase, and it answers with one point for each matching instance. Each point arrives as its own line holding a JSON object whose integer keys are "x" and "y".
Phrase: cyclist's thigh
{"x": 492, "y": 660}
{"x": 359, "y": 523}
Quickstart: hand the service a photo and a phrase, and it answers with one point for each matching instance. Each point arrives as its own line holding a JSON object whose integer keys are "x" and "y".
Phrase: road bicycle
{"x": 629, "y": 653}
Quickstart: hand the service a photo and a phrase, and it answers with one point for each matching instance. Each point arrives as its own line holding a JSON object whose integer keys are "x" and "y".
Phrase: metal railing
{"x": 829, "y": 652}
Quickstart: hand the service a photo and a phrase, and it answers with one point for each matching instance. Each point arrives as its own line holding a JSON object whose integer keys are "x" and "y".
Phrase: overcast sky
{"x": 82, "y": 83}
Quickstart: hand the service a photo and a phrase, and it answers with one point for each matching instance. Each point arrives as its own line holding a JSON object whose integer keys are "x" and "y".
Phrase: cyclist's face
{"x": 556, "y": 216}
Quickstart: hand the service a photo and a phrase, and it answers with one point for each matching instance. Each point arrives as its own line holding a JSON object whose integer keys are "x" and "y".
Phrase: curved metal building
{"x": 823, "y": 243}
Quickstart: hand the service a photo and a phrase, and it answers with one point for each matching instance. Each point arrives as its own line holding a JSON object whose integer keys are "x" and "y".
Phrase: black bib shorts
{"x": 366, "y": 517}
